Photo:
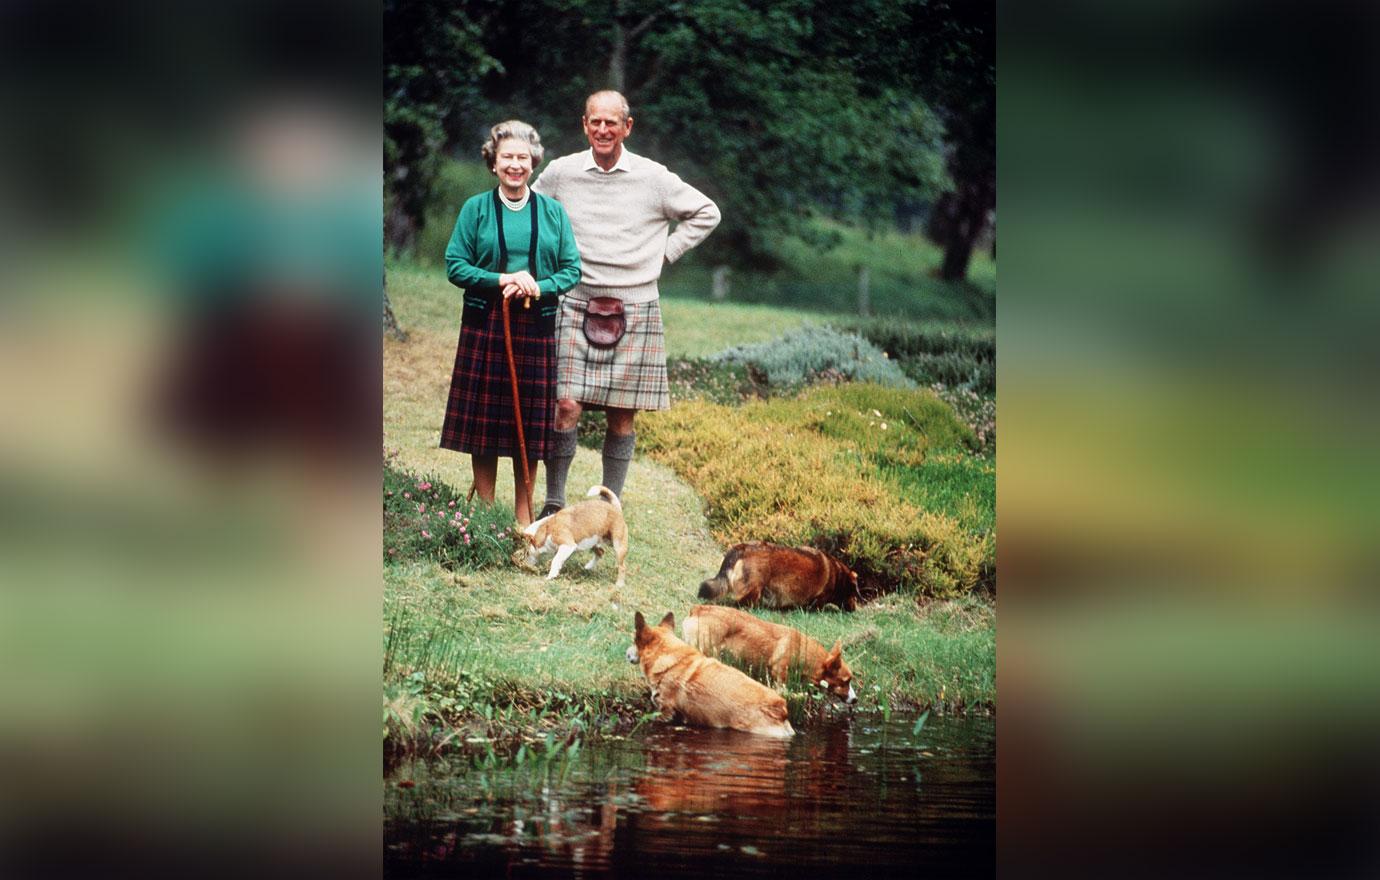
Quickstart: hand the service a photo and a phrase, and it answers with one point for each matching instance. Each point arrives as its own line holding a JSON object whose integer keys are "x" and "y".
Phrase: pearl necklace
{"x": 520, "y": 203}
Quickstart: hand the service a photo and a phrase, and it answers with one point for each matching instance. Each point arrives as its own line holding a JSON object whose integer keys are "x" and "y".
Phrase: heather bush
{"x": 805, "y": 471}
{"x": 815, "y": 353}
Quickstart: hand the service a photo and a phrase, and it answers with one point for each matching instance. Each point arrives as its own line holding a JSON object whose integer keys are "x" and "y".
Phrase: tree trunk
{"x": 618, "y": 58}
{"x": 958, "y": 219}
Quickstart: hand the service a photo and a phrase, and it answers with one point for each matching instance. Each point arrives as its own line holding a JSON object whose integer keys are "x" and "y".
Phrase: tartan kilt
{"x": 479, "y": 410}
{"x": 630, "y": 375}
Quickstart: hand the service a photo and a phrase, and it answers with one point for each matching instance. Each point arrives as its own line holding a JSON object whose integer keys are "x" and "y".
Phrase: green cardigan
{"x": 472, "y": 257}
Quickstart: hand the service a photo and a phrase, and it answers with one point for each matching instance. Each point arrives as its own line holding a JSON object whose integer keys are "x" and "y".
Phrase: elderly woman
{"x": 509, "y": 243}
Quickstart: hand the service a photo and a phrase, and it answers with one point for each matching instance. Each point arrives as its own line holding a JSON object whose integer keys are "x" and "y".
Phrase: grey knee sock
{"x": 618, "y": 451}
{"x": 558, "y": 464}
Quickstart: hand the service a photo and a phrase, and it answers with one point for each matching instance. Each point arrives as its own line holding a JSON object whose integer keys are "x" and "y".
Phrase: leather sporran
{"x": 604, "y": 321}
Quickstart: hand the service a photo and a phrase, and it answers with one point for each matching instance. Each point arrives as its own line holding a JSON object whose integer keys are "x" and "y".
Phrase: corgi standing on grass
{"x": 701, "y": 690}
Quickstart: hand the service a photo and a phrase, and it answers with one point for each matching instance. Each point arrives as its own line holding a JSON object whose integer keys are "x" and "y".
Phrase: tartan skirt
{"x": 630, "y": 375}
{"x": 479, "y": 410}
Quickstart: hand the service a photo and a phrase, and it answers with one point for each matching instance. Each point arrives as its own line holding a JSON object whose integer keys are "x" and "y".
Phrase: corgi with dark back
{"x": 782, "y": 577}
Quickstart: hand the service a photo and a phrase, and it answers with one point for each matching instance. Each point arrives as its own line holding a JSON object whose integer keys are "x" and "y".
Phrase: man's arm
{"x": 696, "y": 212}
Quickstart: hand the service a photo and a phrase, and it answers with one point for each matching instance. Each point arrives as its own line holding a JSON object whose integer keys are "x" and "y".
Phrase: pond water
{"x": 855, "y": 795}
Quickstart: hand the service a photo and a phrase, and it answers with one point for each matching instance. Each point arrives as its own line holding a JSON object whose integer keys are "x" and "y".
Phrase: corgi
{"x": 701, "y": 690}
{"x": 581, "y": 526}
{"x": 771, "y": 647}
{"x": 782, "y": 577}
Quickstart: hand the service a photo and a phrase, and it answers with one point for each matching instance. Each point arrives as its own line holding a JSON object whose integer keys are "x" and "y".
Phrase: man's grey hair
{"x": 610, "y": 93}
{"x": 513, "y": 129}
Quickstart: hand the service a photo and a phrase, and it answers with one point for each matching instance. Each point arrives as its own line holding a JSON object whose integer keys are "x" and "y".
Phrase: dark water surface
{"x": 854, "y": 796}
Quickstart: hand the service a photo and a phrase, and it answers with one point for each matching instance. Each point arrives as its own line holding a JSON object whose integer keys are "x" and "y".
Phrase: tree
{"x": 779, "y": 111}
{"x": 433, "y": 60}
{"x": 958, "y": 42}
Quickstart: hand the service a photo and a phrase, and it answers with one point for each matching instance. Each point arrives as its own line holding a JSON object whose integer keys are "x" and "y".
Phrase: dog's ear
{"x": 835, "y": 655}
{"x": 639, "y": 622}
{"x": 669, "y": 621}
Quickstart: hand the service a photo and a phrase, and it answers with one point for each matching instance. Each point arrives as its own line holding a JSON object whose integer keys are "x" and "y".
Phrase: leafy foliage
{"x": 813, "y": 354}
{"x": 425, "y": 519}
{"x": 779, "y": 111}
{"x": 433, "y": 60}
{"x": 957, "y": 356}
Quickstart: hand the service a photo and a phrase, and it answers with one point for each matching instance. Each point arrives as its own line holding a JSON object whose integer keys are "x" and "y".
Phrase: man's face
{"x": 605, "y": 127}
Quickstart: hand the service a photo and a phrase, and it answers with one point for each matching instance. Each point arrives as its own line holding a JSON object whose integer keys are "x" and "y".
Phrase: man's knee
{"x": 567, "y": 414}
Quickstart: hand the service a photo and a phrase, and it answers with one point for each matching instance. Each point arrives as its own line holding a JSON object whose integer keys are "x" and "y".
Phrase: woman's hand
{"x": 518, "y": 284}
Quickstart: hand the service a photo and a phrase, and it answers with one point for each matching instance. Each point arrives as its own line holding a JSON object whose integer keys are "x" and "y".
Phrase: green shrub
{"x": 803, "y": 471}
{"x": 814, "y": 354}
{"x": 425, "y": 519}
{"x": 717, "y": 382}
{"x": 953, "y": 355}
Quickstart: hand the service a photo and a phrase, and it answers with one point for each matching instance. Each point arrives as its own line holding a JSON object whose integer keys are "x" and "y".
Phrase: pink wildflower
{"x": 407, "y": 494}
{"x": 423, "y": 486}
{"x": 426, "y": 534}
{"x": 452, "y": 504}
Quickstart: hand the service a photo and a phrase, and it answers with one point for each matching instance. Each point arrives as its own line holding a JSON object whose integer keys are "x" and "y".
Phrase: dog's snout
{"x": 706, "y": 591}
{"x": 632, "y": 654}
{"x": 852, "y": 695}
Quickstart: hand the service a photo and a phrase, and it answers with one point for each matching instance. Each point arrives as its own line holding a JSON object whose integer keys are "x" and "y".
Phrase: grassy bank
{"x": 499, "y": 659}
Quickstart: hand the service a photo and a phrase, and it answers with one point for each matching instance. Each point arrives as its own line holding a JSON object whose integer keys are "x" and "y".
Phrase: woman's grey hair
{"x": 513, "y": 129}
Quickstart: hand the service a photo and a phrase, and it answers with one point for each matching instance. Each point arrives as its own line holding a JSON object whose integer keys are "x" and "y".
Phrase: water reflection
{"x": 707, "y": 771}
{"x": 678, "y": 802}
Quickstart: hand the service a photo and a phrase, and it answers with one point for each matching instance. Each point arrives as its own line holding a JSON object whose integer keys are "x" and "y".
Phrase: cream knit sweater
{"x": 622, "y": 221}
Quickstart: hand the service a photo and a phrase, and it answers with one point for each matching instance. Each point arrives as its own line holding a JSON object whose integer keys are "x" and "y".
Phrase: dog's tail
{"x": 607, "y": 494}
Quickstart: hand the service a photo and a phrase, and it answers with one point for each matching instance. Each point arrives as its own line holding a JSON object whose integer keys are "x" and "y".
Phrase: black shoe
{"x": 548, "y": 509}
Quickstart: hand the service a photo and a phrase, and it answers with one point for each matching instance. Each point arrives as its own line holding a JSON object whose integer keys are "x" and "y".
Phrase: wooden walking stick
{"x": 517, "y": 406}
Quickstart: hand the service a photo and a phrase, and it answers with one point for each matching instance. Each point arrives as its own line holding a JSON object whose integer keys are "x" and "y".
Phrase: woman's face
{"x": 513, "y": 162}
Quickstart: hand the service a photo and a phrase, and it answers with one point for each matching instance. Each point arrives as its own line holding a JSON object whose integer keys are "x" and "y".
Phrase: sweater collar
{"x": 623, "y": 163}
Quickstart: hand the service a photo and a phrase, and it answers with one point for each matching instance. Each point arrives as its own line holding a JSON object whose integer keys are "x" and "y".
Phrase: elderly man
{"x": 611, "y": 352}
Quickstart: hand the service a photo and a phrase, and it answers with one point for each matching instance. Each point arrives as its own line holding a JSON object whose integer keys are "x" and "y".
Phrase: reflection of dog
{"x": 581, "y": 527}
{"x": 769, "y": 646}
{"x": 705, "y": 771}
{"x": 702, "y": 690}
{"x": 784, "y": 577}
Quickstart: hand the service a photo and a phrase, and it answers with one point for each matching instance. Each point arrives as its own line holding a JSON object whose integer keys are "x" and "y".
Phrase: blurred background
{"x": 1187, "y": 482}
{"x": 188, "y": 471}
